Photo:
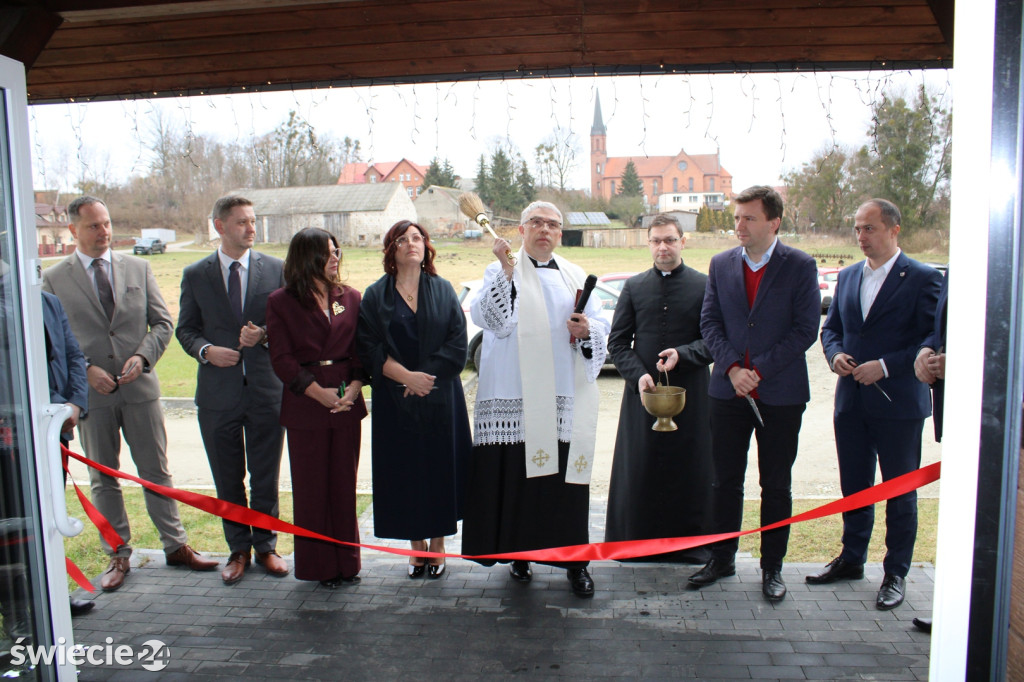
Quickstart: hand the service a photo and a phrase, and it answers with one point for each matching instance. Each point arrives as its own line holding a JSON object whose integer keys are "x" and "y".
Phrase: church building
{"x": 683, "y": 182}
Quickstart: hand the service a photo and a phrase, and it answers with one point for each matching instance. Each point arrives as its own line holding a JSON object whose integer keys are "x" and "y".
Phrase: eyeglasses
{"x": 538, "y": 223}
{"x": 658, "y": 242}
{"x": 403, "y": 240}
{"x": 335, "y": 252}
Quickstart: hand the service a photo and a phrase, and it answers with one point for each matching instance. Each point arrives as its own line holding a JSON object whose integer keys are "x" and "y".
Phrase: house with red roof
{"x": 683, "y": 182}
{"x": 406, "y": 172}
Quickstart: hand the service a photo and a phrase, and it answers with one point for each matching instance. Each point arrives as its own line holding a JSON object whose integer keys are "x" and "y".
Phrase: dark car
{"x": 149, "y": 246}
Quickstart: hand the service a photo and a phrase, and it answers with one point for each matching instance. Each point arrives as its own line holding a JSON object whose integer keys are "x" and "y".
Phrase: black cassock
{"x": 661, "y": 481}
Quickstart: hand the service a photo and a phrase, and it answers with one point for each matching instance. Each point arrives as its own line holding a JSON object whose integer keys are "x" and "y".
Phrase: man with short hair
{"x": 661, "y": 482}
{"x": 761, "y": 314}
{"x": 882, "y": 311}
{"x": 222, "y": 324}
{"x": 123, "y": 326}
{"x": 535, "y": 420}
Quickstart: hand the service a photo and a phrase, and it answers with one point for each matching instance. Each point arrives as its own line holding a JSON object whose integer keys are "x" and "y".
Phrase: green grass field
{"x": 458, "y": 262}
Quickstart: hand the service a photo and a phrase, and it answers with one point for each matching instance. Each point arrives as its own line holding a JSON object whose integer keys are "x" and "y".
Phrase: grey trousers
{"x": 245, "y": 436}
{"x": 143, "y": 427}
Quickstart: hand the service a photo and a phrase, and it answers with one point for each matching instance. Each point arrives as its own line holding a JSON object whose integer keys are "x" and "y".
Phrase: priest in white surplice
{"x": 536, "y": 407}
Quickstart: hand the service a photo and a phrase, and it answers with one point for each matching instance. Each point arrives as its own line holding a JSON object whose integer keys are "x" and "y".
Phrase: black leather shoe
{"x": 772, "y": 586}
{"x": 582, "y": 583}
{"x": 891, "y": 593}
{"x": 417, "y": 571}
{"x": 837, "y": 569}
{"x": 520, "y": 570}
{"x": 435, "y": 571}
{"x": 923, "y": 624}
{"x": 712, "y": 571}
{"x": 80, "y": 607}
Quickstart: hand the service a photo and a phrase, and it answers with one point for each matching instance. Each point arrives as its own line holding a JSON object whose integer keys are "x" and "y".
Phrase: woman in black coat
{"x": 412, "y": 340}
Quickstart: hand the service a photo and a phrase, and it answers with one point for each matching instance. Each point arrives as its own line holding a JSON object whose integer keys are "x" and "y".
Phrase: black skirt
{"x": 508, "y": 512}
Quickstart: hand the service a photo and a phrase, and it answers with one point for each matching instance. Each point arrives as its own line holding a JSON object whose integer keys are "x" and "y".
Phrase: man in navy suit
{"x": 222, "y": 324}
{"x": 930, "y": 368}
{"x": 882, "y": 311}
{"x": 760, "y": 315}
{"x": 65, "y": 374}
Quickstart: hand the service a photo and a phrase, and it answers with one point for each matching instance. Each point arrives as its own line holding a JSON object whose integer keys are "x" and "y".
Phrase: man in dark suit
{"x": 661, "y": 482}
{"x": 121, "y": 321}
{"x": 221, "y": 323}
{"x": 882, "y": 311}
{"x": 930, "y": 368}
{"x": 65, "y": 373}
{"x": 761, "y": 314}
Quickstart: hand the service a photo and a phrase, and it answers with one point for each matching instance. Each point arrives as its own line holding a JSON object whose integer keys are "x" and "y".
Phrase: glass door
{"x": 35, "y": 625}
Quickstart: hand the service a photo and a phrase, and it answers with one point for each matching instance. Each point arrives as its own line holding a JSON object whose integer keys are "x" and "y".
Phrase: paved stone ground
{"x": 476, "y": 623}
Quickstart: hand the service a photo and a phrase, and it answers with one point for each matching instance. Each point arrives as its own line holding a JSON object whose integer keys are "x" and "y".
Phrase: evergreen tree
{"x": 630, "y": 184}
{"x": 483, "y": 181}
{"x": 527, "y": 186}
{"x": 506, "y": 198}
{"x": 440, "y": 174}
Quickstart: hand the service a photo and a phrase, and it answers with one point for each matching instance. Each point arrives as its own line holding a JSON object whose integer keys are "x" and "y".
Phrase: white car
{"x": 827, "y": 278}
{"x": 608, "y": 296}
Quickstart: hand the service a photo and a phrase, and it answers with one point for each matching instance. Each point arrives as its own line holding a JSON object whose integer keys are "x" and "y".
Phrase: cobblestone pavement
{"x": 476, "y": 623}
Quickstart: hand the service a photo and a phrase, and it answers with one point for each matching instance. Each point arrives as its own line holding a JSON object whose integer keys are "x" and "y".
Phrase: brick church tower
{"x": 598, "y": 151}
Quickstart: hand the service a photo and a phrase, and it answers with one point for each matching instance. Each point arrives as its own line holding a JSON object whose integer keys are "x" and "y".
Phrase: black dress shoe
{"x": 923, "y": 624}
{"x": 771, "y": 584}
{"x": 582, "y": 583}
{"x": 80, "y": 607}
{"x": 837, "y": 569}
{"x": 520, "y": 570}
{"x": 338, "y": 581}
{"x": 712, "y": 571}
{"x": 891, "y": 593}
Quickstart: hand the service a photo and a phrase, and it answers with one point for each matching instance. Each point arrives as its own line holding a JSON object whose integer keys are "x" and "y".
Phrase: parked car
{"x": 827, "y": 278}
{"x": 149, "y": 246}
{"x": 608, "y": 296}
{"x": 615, "y": 280}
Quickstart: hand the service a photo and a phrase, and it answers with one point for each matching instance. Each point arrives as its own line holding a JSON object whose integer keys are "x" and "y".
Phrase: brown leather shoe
{"x": 237, "y": 563}
{"x": 117, "y": 569}
{"x": 272, "y": 561}
{"x": 186, "y": 556}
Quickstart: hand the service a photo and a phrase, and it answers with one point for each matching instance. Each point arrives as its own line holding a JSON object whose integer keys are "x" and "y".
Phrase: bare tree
{"x": 557, "y": 157}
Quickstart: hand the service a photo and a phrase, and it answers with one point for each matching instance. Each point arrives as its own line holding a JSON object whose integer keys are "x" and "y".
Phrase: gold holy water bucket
{"x": 664, "y": 402}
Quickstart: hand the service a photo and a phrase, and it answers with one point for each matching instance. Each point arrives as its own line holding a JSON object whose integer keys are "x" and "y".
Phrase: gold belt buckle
{"x": 324, "y": 363}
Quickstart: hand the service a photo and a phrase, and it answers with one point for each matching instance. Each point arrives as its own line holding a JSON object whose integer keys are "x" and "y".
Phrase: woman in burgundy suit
{"x": 311, "y": 327}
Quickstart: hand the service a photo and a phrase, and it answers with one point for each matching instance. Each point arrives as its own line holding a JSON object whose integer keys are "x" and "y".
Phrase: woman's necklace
{"x": 408, "y": 297}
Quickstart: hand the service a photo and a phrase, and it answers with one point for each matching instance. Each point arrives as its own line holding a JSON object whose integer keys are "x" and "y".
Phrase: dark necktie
{"x": 103, "y": 289}
{"x": 235, "y": 290}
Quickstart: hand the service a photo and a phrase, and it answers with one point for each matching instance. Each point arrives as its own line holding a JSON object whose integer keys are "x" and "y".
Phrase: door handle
{"x": 68, "y": 526}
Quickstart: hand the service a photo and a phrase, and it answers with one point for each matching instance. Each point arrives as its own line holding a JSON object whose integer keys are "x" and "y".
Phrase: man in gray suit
{"x": 221, "y": 323}
{"x": 123, "y": 326}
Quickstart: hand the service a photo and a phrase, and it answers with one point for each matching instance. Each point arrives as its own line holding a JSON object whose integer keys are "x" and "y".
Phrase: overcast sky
{"x": 763, "y": 124}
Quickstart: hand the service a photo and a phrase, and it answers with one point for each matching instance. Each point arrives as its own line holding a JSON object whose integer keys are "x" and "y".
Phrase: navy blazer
{"x": 777, "y": 330}
{"x": 900, "y": 319}
{"x": 65, "y": 368}
{"x": 205, "y": 317}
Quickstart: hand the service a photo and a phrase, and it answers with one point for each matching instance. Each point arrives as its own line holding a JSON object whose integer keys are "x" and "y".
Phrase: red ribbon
{"x": 597, "y": 551}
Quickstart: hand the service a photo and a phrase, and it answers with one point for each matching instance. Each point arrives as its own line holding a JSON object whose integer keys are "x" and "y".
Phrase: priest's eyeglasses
{"x": 538, "y": 223}
{"x": 668, "y": 241}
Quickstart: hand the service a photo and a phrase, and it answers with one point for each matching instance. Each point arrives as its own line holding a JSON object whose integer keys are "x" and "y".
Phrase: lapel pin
{"x": 337, "y": 308}
{"x": 903, "y": 274}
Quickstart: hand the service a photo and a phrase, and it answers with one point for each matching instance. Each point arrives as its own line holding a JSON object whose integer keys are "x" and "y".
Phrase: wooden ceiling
{"x": 106, "y": 49}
